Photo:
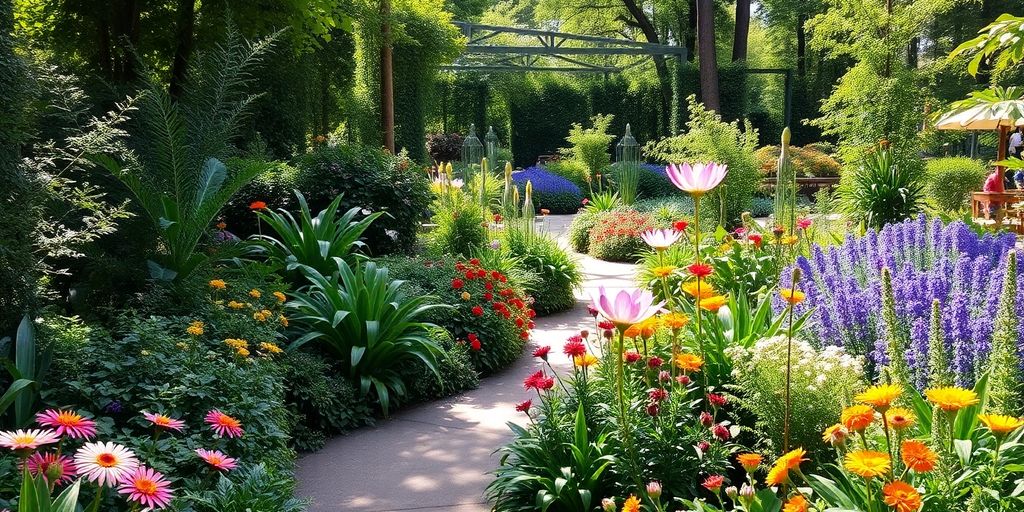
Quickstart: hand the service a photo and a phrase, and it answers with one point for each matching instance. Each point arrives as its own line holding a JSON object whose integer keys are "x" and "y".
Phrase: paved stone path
{"x": 437, "y": 456}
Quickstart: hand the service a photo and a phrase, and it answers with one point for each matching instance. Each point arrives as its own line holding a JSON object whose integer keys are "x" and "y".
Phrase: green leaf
{"x": 211, "y": 178}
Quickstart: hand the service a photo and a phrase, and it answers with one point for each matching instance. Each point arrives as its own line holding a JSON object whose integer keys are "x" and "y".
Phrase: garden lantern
{"x": 627, "y": 164}
{"x": 472, "y": 149}
{"x": 491, "y": 147}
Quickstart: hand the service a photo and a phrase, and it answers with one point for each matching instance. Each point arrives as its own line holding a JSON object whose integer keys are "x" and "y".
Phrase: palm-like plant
{"x": 1002, "y": 39}
{"x": 882, "y": 191}
{"x": 363, "y": 318}
{"x": 314, "y": 241}
{"x": 178, "y": 175}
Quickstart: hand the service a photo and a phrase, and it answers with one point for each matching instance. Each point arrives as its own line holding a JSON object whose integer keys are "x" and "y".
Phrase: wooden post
{"x": 1004, "y": 131}
{"x": 387, "y": 86}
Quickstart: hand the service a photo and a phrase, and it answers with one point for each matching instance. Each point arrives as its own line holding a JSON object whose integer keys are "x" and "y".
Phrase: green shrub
{"x": 322, "y": 402}
{"x": 373, "y": 180}
{"x": 250, "y": 488}
{"x": 579, "y": 229}
{"x": 666, "y": 210}
{"x": 460, "y": 227}
{"x": 501, "y": 338}
{"x": 950, "y": 181}
{"x": 616, "y": 236}
{"x": 571, "y": 170}
{"x": 364, "y": 319}
{"x": 762, "y": 206}
{"x": 708, "y": 138}
{"x": 809, "y": 161}
{"x": 455, "y": 364}
{"x": 273, "y": 186}
{"x": 589, "y": 146}
{"x": 654, "y": 183}
{"x": 559, "y": 274}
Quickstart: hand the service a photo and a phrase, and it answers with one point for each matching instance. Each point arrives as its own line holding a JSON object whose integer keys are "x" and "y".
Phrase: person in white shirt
{"x": 1015, "y": 142}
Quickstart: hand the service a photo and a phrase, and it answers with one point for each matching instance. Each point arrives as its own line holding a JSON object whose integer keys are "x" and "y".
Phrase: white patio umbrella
{"x": 992, "y": 109}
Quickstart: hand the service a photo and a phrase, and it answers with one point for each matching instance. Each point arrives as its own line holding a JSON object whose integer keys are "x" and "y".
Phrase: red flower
{"x": 488, "y": 295}
{"x": 706, "y": 419}
{"x": 530, "y": 324}
{"x": 657, "y": 394}
{"x": 700, "y": 270}
{"x": 704, "y": 446}
{"x": 474, "y": 261}
{"x": 680, "y": 225}
{"x": 633, "y": 356}
{"x": 524, "y": 406}
{"x": 721, "y": 432}
{"x": 496, "y": 275}
{"x": 531, "y": 313}
{"x": 481, "y": 273}
{"x": 592, "y": 310}
{"x": 716, "y": 400}
{"x": 257, "y": 205}
{"x": 497, "y": 218}
{"x": 457, "y": 283}
{"x": 460, "y": 266}
{"x": 654, "y": 362}
{"x": 472, "y": 336}
{"x": 542, "y": 352}
{"x": 684, "y": 380}
{"x": 803, "y": 223}
{"x": 520, "y": 323}
{"x": 539, "y": 381}
{"x": 574, "y": 347}
{"x": 713, "y": 483}
{"x": 756, "y": 239}
{"x": 475, "y": 345}
{"x": 525, "y": 335}
{"x": 470, "y": 275}
{"x": 478, "y": 311}
{"x": 606, "y": 325}
{"x": 653, "y": 409}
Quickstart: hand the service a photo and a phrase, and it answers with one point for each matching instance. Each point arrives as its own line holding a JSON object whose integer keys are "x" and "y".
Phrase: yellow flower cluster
{"x": 254, "y": 293}
{"x": 280, "y": 296}
{"x": 196, "y": 328}
{"x": 270, "y": 348}
{"x": 262, "y": 315}
{"x": 236, "y": 343}
{"x": 234, "y": 304}
{"x": 283, "y": 319}
{"x": 218, "y": 284}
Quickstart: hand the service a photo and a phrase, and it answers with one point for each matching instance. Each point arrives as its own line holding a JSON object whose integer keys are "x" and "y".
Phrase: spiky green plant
{"x": 1006, "y": 381}
{"x": 881, "y": 191}
{"x": 364, "y": 319}
{"x": 897, "y": 339}
{"x": 785, "y": 187}
{"x": 940, "y": 374}
{"x": 178, "y": 175}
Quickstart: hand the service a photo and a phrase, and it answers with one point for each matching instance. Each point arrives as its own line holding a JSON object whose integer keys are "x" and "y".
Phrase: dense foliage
{"x": 950, "y": 181}
{"x": 550, "y": 191}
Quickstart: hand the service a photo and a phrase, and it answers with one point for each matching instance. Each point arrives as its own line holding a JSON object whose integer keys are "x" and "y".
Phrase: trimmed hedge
{"x": 950, "y": 181}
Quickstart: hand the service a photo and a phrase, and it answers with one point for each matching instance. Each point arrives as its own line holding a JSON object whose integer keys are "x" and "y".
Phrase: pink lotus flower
{"x": 223, "y": 424}
{"x": 67, "y": 423}
{"x": 660, "y": 239}
{"x": 28, "y": 439}
{"x": 51, "y": 466}
{"x": 147, "y": 488}
{"x": 627, "y": 307}
{"x": 217, "y": 459}
{"x": 697, "y": 178}
{"x": 165, "y": 422}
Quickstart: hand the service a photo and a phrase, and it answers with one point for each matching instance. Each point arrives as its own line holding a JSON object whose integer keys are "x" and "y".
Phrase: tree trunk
{"x": 739, "y": 40}
{"x": 801, "y": 45}
{"x": 185, "y": 38}
{"x": 651, "y": 34}
{"x": 912, "y": 50}
{"x": 706, "y": 52}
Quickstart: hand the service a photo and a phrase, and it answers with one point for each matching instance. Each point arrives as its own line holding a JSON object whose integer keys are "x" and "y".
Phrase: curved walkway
{"x": 438, "y": 456}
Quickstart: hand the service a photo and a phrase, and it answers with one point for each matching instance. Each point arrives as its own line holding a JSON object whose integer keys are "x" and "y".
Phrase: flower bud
{"x": 653, "y": 409}
{"x": 664, "y": 376}
{"x": 732, "y": 491}
{"x": 703, "y": 446}
{"x": 747, "y": 492}
{"x": 706, "y": 419}
{"x": 684, "y": 380}
{"x": 608, "y": 333}
{"x": 608, "y": 505}
{"x": 721, "y": 432}
{"x": 584, "y": 334}
{"x": 796, "y": 274}
{"x": 654, "y": 362}
{"x": 654, "y": 490}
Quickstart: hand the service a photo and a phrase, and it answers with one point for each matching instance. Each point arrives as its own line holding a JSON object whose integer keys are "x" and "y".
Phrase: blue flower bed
{"x": 928, "y": 260}
{"x": 550, "y": 191}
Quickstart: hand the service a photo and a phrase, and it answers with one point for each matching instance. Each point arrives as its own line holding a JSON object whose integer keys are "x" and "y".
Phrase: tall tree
{"x": 184, "y": 41}
{"x": 643, "y": 22}
{"x": 706, "y": 54}
{"x": 739, "y": 40}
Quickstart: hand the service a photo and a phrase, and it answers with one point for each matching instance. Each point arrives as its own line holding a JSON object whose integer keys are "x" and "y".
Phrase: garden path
{"x": 437, "y": 456}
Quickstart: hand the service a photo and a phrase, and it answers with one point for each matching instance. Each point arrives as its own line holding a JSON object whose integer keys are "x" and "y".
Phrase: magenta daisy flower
{"x": 217, "y": 459}
{"x": 224, "y": 425}
{"x": 67, "y": 423}
{"x": 51, "y": 465}
{"x": 28, "y": 439}
{"x": 147, "y": 488}
{"x": 163, "y": 421}
{"x": 105, "y": 463}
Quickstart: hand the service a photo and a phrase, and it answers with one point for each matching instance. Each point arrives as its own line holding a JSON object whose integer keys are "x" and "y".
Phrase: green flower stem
{"x": 789, "y": 371}
{"x": 888, "y": 442}
{"x": 95, "y": 507}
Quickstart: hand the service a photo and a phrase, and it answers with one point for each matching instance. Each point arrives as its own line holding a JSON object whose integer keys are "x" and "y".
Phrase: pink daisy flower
{"x": 217, "y": 459}
{"x": 164, "y": 422}
{"x": 105, "y": 463}
{"x": 67, "y": 423}
{"x": 51, "y": 465}
{"x": 28, "y": 439}
{"x": 223, "y": 424}
{"x": 147, "y": 488}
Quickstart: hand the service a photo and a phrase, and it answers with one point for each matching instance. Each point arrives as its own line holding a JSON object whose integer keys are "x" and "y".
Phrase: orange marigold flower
{"x": 632, "y": 331}
{"x": 796, "y": 504}
{"x": 917, "y": 456}
{"x": 712, "y": 303}
{"x": 234, "y": 304}
{"x": 254, "y": 293}
{"x": 836, "y": 434}
{"x": 951, "y": 398}
{"x": 585, "y": 360}
{"x": 280, "y": 296}
{"x": 218, "y": 284}
{"x": 867, "y": 463}
{"x": 749, "y": 461}
{"x": 257, "y": 205}
{"x": 1000, "y": 424}
{"x": 706, "y": 290}
{"x": 789, "y": 240}
{"x": 675, "y": 321}
{"x": 779, "y": 474}
{"x": 900, "y": 418}
{"x": 689, "y": 362}
{"x": 857, "y": 417}
{"x": 632, "y": 504}
{"x": 270, "y": 348}
{"x": 792, "y": 296}
{"x": 901, "y": 496}
{"x": 663, "y": 271}
{"x": 196, "y": 328}
{"x": 881, "y": 396}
